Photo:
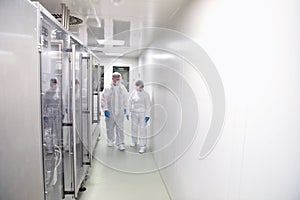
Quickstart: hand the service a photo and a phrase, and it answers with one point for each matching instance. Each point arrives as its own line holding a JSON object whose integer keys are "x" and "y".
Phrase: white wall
{"x": 255, "y": 48}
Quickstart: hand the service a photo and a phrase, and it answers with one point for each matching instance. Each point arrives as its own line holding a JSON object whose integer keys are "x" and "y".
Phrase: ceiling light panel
{"x": 121, "y": 31}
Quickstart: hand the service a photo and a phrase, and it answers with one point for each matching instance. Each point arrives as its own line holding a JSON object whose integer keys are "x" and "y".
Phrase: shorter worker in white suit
{"x": 139, "y": 106}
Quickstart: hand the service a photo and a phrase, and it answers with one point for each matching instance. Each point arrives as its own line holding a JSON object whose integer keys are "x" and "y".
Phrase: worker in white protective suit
{"x": 114, "y": 104}
{"x": 139, "y": 106}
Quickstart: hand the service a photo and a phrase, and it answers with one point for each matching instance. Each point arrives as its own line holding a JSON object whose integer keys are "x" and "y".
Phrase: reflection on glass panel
{"x": 51, "y": 91}
{"x": 85, "y": 108}
{"x": 79, "y": 158}
{"x": 96, "y": 73}
{"x": 101, "y": 78}
{"x": 81, "y": 96}
{"x": 66, "y": 153}
{"x": 78, "y": 114}
{"x": 96, "y": 77}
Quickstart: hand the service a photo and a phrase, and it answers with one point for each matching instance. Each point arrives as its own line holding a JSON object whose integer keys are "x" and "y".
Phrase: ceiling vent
{"x": 73, "y": 20}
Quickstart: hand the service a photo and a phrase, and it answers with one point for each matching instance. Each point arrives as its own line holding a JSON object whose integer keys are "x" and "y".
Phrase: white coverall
{"x": 114, "y": 99}
{"x": 139, "y": 106}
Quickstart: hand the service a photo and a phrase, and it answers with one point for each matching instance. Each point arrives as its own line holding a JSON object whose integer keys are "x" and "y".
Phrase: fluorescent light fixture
{"x": 116, "y": 2}
{"x": 113, "y": 54}
{"x": 111, "y": 42}
{"x": 162, "y": 56}
{"x": 98, "y": 49}
{"x": 6, "y": 34}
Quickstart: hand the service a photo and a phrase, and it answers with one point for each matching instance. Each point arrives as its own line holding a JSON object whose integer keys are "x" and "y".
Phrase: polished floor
{"x": 124, "y": 175}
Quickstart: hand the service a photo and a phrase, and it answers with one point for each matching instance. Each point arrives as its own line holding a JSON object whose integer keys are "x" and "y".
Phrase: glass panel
{"x": 96, "y": 88}
{"x": 85, "y": 107}
{"x": 101, "y": 78}
{"x": 52, "y": 112}
{"x": 96, "y": 92}
{"x": 78, "y": 113}
{"x": 75, "y": 166}
{"x": 67, "y": 130}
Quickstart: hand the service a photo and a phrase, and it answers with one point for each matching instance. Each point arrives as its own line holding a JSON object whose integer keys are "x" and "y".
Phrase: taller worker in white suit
{"x": 114, "y": 104}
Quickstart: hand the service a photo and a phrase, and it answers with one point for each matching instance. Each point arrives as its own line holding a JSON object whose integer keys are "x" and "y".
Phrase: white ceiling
{"x": 154, "y": 11}
{"x": 141, "y": 13}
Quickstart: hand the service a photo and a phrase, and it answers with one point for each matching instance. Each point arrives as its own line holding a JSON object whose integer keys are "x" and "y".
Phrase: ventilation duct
{"x": 93, "y": 21}
{"x": 65, "y": 18}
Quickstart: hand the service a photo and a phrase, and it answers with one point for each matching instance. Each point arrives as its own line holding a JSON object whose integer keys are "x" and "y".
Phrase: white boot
{"x": 133, "y": 144}
{"x": 142, "y": 149}
{"x": 121, "y": 147}
{"x": 110, "y": 144}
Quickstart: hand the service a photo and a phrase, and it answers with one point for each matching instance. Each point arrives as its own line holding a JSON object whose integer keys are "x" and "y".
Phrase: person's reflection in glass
{"x": 51, "y": 116}
{"x": 78, "y": 111}
{"x": 51, "y": 113}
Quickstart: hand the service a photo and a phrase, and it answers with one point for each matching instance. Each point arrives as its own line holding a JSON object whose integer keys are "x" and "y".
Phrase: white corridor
{"x": 122, "y": 175}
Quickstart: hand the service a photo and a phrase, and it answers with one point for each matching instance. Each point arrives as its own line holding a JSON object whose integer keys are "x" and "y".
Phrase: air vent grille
{"x": 73, "y": 20}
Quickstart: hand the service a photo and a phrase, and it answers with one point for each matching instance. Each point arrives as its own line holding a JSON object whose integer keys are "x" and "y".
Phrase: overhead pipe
{"x": 66, "y": 16}
{"x": 63, "y": 14}
{"x": 68, "y": 19}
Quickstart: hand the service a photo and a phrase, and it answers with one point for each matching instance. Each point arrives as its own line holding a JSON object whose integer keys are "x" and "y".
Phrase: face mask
{"x": 54, "y": 87}
{"x": 117, "y": 82}
{"x": 138, "y": 88}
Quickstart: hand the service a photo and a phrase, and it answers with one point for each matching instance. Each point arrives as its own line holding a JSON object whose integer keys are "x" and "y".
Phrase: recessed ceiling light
{"x": 116, "y": 2}
{"x": 113, "y": 54}
{"x": 111, "y": 42}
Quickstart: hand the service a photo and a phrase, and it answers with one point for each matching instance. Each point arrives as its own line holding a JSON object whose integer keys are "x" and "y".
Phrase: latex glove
{"x": 147, "y": 119}
{"x": 107, "y": 113}
{"x": 124, "y": 111}
{"x": 127, "y": 117}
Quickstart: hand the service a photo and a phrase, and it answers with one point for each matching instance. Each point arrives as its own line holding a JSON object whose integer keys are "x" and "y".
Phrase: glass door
{"x": 96, "y": 79}
{"x": 86, "y": 102}
{"x": 52, "y": 56}
{"x": 66, "y": 111}
{"x": 77, "y": 156}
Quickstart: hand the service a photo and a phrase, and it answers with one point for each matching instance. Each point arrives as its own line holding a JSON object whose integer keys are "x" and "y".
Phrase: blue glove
{"x": 107, "y": 113}
{"x": 124, "y": 111}
{"x": 147, "y": 119}
{"x": 127, "y": 117}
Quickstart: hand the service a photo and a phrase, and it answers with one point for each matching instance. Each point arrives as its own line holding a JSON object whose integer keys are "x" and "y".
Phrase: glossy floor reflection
{"x": 123, "y": 175}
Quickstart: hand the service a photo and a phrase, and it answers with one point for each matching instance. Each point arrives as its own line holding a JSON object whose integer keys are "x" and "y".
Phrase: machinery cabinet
{"x": 47, "y": 105}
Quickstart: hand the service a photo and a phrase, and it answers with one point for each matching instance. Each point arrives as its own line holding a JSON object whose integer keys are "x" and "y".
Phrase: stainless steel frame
{"x": 74, "y": 155}
{"x": 95, "y": 103}
{"x": 88, "y": 111}
{"x": 90, "y": 108}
